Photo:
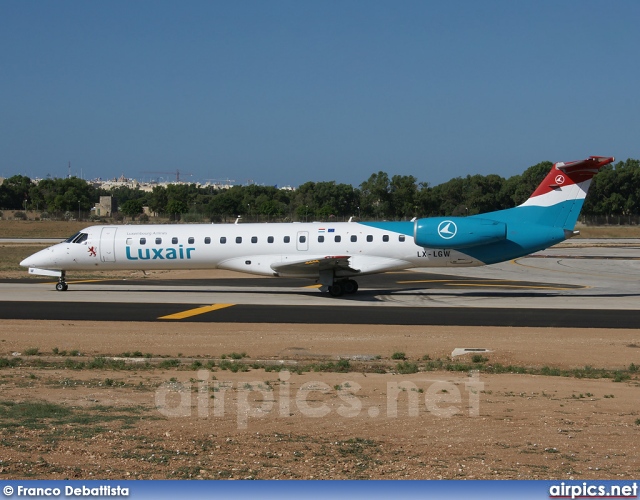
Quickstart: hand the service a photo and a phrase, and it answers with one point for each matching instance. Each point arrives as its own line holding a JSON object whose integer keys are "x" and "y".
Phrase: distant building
{"x": 106, "y": 207}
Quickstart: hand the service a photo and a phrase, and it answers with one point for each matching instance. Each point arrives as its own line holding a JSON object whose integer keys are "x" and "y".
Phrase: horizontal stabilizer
{"x": 593, "y": 162}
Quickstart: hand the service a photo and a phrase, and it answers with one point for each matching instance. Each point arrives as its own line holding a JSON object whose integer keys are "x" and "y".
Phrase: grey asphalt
{"x": 581, "y": 283}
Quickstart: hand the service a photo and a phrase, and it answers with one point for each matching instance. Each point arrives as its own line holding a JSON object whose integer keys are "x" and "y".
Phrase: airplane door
{"x": 302, "y": 241}
{"x": 108, "y": 244}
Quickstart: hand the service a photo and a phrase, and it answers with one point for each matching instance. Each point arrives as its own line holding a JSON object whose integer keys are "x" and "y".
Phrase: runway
{"x": 581, "y": 283}
{"x": 244, "y": 313}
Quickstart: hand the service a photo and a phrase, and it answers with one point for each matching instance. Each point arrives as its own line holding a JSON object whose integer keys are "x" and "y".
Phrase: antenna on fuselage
{"x": 238, "y": 219}
{"x": 350, "y": 219}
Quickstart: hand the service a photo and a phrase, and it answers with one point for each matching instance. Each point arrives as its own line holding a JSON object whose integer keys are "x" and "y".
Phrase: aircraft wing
{"x": 340, "y": 264}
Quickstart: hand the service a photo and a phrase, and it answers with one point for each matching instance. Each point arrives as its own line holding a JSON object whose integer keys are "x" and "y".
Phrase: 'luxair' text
{"x": 179, "y": 253}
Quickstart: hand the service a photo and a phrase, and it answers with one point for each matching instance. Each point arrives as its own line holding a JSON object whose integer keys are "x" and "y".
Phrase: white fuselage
{"x": 265, "y": 249}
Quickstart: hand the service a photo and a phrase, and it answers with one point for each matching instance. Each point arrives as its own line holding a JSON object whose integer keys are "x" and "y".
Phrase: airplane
{"x": 333, "y": 253}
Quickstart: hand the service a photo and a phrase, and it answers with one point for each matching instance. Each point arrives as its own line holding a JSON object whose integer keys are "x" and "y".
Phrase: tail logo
{"x": 559, "y": 180}
{"x": 447, "y": 229}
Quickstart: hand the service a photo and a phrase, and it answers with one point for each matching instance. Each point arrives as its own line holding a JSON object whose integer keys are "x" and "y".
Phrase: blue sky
{"x": 284, "y": 92}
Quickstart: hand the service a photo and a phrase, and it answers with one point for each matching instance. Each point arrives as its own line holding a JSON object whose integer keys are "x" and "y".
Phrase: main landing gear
{"x": 62, "y": 286}
{"x": 341, "y": 287}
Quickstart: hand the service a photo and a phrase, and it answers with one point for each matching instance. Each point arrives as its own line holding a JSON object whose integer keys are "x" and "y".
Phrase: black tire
{"x": 350, "y": 286}
{"x": 62, "y": 287}
{"x": 336, "y": 290}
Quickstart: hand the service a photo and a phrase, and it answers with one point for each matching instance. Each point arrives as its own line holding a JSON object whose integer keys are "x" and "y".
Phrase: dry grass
{"x": 40, "y": 229}
{"x": 608, "y": 231}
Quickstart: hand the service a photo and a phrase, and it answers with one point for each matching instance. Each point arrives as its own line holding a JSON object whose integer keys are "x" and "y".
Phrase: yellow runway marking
{"x": 194, "y": 312}
{"x": 495, "y": 283}
{"x": 74, "y": 282}
{"x": 449, "y": 281}
{"x": 423, "y": 281}
{"x": 312, "y": 286}
{"x": 513, "y": 286}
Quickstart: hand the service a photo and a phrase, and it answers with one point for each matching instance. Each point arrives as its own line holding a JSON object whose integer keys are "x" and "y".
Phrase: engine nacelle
{"x": 457, "y": 232}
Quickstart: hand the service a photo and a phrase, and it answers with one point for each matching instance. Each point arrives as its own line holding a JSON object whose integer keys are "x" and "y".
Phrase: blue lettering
{"x": 169, "y": 253}
{"x": 129, "y": 254}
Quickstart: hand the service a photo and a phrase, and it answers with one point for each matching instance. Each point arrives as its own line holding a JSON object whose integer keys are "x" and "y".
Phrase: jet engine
{"x": 457, "y": 232}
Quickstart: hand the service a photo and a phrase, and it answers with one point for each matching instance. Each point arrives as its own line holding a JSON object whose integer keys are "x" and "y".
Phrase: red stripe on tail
{"x": 572, "y": 172}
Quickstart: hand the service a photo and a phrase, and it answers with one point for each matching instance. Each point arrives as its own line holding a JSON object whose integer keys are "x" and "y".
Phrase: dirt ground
{"x": 187, "y": 411}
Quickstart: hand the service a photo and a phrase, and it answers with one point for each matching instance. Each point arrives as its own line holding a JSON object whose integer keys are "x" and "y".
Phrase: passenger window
{"x": 320, "y": 239}
{"x": 303, "y": 239}
{"x": 158, "y": 241}
{"x": 143, "y": 241}
{"x": 354, "y": 238}
{"x": 369, "y": 238}
{"x": 207, "y": 241}
{"x": 191, "y": 240}
{"x": 238, "y": 239}
{"x": 254, "y": 239}
{"x": 270, "y": 239}
{"x": 385, "y": 238}
{"x": 337, "y": 238}
{"x": 401, "y": 237}
{"x": 129, "y": 241}
{"x": 287, "y": 239}
{"x": 223, "y": 240}
{"x": 174, "y": 241}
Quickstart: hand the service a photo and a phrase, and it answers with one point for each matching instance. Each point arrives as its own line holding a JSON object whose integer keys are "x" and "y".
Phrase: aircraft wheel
{"x": 62, "y": 287}
{"x": 350, "y": 286}
{"x": 336, "y": 290}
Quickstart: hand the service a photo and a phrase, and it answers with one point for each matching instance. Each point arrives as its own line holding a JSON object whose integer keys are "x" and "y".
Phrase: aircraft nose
{"x": 38, "y": 259}
{"x": 29, "y": 261}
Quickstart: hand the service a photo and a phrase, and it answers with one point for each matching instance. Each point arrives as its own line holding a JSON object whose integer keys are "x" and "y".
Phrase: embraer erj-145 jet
{"x": 334, "y": 253}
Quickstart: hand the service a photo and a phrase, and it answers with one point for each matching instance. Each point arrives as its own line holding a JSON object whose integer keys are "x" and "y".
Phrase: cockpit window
{"x": 71, "y": 238}
{"x": 77, "y": 238}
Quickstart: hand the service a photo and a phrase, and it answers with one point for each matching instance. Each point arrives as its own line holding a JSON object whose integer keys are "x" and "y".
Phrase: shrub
{"x": 398, "y": 355}
{"x": 19, "y": 216}
{"x": 169, "y": 363}
{"x": 406, "y": 368}
{"x": 620, "y": 377}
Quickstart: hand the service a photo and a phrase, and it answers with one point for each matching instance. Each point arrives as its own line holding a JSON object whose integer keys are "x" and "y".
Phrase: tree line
{"x": 614, "y": 191}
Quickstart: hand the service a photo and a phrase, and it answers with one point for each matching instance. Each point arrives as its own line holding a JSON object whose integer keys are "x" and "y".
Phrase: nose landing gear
{"x": 62, "y": 286}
